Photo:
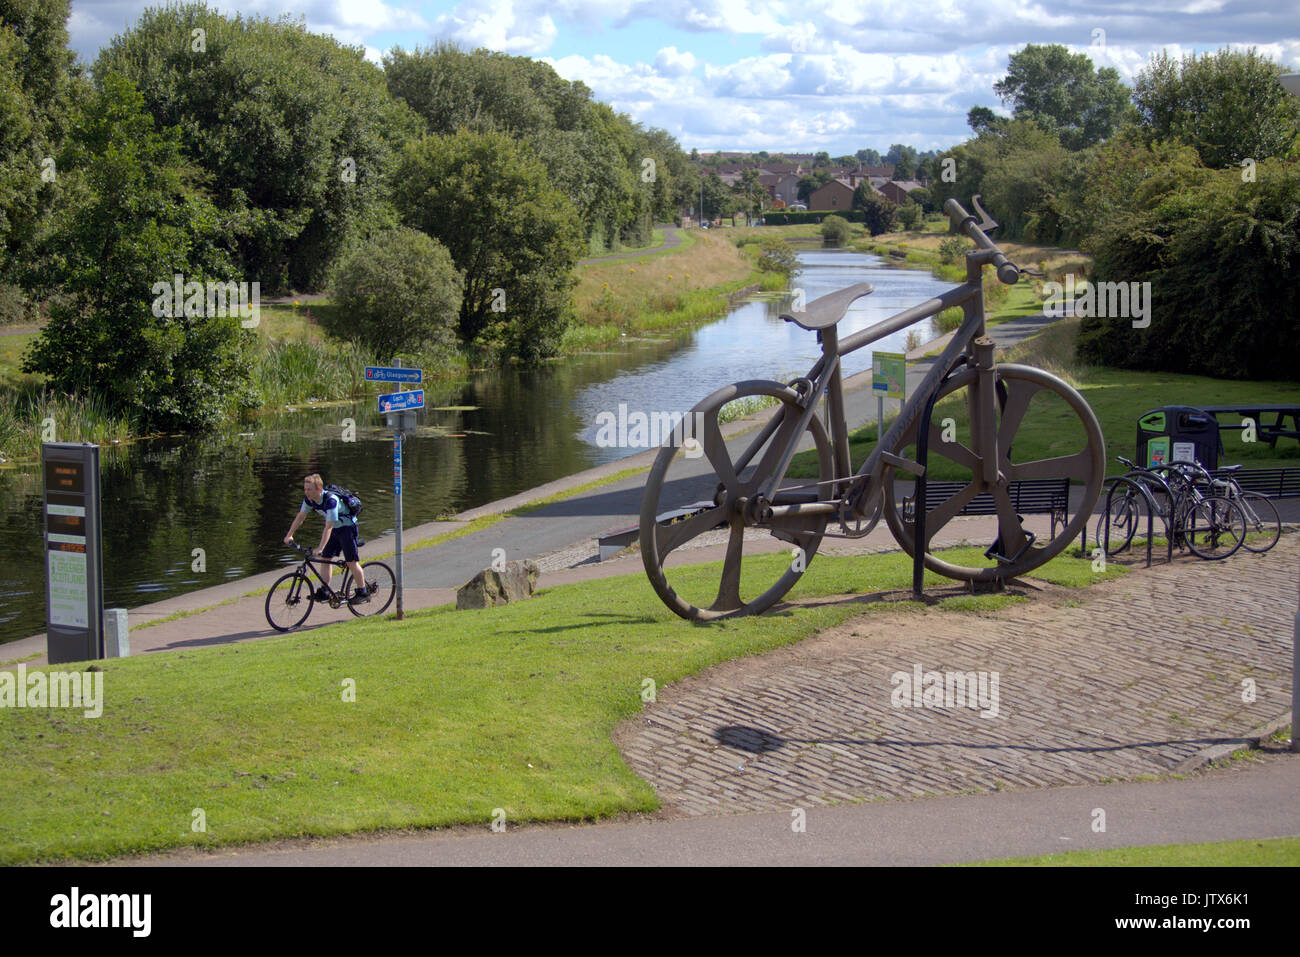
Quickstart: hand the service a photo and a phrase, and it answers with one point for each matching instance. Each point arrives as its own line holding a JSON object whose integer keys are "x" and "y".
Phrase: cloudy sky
{"x": 837, "y": 75}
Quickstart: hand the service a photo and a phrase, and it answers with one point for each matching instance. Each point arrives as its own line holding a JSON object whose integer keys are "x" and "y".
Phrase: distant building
{"x": 896, "y": 190}
{"x": 835, "y": 195}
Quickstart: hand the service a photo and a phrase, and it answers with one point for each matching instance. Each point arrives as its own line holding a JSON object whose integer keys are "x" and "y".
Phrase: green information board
{"x": 889, "y": 375}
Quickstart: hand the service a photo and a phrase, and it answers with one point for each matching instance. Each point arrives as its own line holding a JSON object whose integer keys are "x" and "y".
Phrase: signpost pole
{"x": 397, "y": 502}
{"x": 400, "y": 409}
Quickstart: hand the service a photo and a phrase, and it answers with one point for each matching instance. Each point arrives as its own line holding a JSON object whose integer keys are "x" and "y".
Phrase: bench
{"x": 1274, "y": 483}
{"x": 1028, "y": 497}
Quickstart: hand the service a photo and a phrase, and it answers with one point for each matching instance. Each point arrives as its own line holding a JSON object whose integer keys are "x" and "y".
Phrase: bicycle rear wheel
{"x": 1262, "y": 521}
{"x": 382, "y": 585}
{"x": 1214, "y": 527}
{"x": 701, "y": 489}
{"x": 289, "y": 602}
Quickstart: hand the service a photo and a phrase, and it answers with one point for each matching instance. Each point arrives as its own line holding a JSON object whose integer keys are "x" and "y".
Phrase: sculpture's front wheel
{"x": 1066, "y": 443}
{"x": 699, "y": 487}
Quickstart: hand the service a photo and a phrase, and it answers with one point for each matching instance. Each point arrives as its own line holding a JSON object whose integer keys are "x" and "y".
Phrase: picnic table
{"x": 1268, "y": 432}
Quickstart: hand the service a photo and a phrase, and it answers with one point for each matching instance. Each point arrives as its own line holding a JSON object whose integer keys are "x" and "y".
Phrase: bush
{"x": 1223, "y": 262}
{"x": 399, "y": 292}
{"x": 777, "y": 255}
{"x": 835, "y": 230}
{"x": 909, "y": 215}
{"x": 952, "y": 250}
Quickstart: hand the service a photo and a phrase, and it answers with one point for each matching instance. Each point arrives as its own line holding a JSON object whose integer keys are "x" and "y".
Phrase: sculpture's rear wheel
{"x": 1073, "y": 448}
{"x": 712, "y": 492}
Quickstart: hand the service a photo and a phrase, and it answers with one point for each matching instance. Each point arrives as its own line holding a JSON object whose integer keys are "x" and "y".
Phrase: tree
{"x": 39, "y": 86}
{"x": 903, "y": 159}
{"x": 1065, "y": 94}
{"x": 822, "y": 159}
{"x": 868, "y": 157}
{"x": 717, "y": 198}
{"x": 595, "y": 156}
{"x": 513, "y": 236}
{"x": 295, "y": 131}
{"x": 132, "y": 223}
{"x": 878, "y": 212}
{"x": 399, "y": 292}
{"x": 909, "y": 214}
{"x": 1228, "y": 105}
{"x": 983, "y": 120}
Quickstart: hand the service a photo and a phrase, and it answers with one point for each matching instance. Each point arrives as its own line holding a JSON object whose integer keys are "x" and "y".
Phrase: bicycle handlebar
{"x": 1008, "y": 272}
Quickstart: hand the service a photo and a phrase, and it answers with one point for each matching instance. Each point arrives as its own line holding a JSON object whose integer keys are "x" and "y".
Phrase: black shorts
{"x": 342, "y": 539}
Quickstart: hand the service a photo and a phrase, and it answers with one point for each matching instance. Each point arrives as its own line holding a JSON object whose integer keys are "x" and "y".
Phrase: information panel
{"x": 74, "y": 589}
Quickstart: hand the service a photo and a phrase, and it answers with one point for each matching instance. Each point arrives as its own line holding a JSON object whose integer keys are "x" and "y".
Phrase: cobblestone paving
{"x": 1136, "y": 677}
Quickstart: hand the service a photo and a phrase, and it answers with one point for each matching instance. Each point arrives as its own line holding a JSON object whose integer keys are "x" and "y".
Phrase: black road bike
{"x": 292, "y": 597}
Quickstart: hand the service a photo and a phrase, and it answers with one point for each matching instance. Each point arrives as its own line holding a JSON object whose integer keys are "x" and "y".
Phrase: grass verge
{"x": 433, "y": 721}
{"x": 1252, "y": 852}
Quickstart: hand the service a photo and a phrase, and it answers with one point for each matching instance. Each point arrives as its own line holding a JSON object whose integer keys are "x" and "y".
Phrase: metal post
{"x": 880, "y": 418}
{"x": 397, "y": 498}
{"x": 1295, "y": 685}
{"x": 117, "y": 641}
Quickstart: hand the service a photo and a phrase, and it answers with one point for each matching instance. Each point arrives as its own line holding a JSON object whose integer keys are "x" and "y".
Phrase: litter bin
{"x": 1178, "y": 433}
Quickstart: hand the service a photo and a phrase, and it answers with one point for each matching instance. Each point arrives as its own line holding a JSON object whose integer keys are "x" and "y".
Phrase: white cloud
{"x": 511, "y": 26}
{"x": 671, "y": 63}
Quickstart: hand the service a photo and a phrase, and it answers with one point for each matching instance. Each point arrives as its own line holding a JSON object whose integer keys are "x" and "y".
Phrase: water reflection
{"x": 234, "y": 495}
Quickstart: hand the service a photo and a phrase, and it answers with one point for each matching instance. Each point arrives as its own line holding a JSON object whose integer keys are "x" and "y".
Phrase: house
{"x": 781, "y": 188}
{"x": 896, "y": 190}
{"x": 835, "y": 195}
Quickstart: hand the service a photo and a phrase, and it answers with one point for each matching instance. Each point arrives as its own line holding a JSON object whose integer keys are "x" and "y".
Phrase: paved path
{"x": 1250, "y": 799}
{"x": 672, "y": 238}
{"x": 1132, "y": 677}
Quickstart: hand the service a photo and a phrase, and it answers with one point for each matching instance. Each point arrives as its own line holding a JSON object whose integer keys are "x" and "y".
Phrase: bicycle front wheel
{"x": 1063, "y": 441}
{"x": 382, "y": 585}
{"x": 1123, "y": 519}
{"x": 1214, "y": 527}
{"x": 1262, "y": 522}
{"x": 289, "y": 602}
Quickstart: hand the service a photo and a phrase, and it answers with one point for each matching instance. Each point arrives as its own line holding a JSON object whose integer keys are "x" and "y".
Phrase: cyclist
{"x": 340, "y": 534}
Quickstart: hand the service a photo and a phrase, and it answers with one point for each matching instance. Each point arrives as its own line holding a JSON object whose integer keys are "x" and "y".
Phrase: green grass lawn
{"x": 11, "y": 354}
{"x": 1118, "y": 397}
{"x": 455, "y": 714}
{"x": 1253, "y": 852}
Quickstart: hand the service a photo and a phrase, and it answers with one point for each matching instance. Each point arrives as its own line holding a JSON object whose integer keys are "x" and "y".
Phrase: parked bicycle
{"x": 1212, "y": 517}
{"x": 689, "y": 495}
{"x": 292, "y": 597}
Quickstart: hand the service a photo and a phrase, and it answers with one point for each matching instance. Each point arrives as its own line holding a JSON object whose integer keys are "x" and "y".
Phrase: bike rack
{"x": 1130, "y": 480}
{"x": 922, "y": 455}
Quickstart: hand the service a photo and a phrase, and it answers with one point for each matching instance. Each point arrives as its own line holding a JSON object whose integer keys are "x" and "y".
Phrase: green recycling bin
{"x": 1178, "y": 433}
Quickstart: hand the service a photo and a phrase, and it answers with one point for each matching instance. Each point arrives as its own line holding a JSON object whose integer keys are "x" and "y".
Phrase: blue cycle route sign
{"x": 401, "y": 401}
{"x": 389, "y": 374}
